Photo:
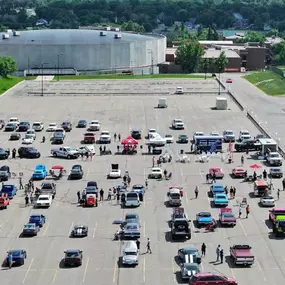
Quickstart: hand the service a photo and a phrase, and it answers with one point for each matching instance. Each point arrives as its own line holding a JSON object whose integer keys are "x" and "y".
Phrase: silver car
{"x": 267, "y": 201}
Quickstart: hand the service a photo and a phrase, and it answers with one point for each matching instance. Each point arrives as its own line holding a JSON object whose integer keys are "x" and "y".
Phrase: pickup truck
{"x": 242, "y": 255}
{"x": 48, "y": 188}
{"x": 65, "y": 151}
{"x": 274, "y": 159}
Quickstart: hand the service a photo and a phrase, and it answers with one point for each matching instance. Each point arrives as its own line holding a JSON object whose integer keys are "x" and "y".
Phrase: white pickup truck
{"x": 65, "y": 151}
{"x": 274, "y": 159}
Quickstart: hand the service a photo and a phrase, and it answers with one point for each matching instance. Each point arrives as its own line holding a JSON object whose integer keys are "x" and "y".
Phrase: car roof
{"x": 15, "y": 250}
{"x": 204, "y": 213}
{"x": 73, "y": 250}
{"x": 35, "y": 215}
{"x": 217, "y": 185}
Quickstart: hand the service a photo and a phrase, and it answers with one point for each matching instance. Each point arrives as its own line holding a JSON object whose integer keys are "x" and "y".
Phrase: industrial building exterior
{"x": 83, "y": 51}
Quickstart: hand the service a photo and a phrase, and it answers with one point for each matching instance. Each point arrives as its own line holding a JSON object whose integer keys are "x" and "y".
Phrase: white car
{"x": 157, "y": 140}
{"x": 267, "y": 201}
{"x": 105, "y": 137}
{"x": 115, "y": 171}
{"x": 169, "y": 138}
{"x": 51, "y": 127}
{"x": 156, "y": 173}
{"x": 14, "y": 121}
{"x": 94, "y": 125}
{"x": 179, "y": 90}
{"x": 86, "y": 148}
{"x": 177, "y": 124}
{"x": 244, "y": 135}
{"x": 60, "y": 132}
{"x": 38, "y": 126}
{"x": 28, "y": 139}
{"x": 44, "y": 201}
{"x": 31, "y": 133}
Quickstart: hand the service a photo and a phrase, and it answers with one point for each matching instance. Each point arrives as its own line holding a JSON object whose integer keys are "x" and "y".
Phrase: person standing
{"x": 222, "y": 255}
{"x": 118, "y": 197}
{"x": 109, "y": 194}
{"x": 203, "y": 249}
{"x": 148, "y": 249}
{"x": 138, "y": 244}
{"x": 218, "y": 252}
{"x": 91, "y": 155}
{"x": 239, "y": 212}
{"x": 234, "y": 192}
{"x": 78, "y": 196}
{"x": 14, "y": 151}
{"x": 26, "y": 200}
{"x": 115, "y": 136}
{"x": 146, "y": 183}
{"x": 196, "y": 192}
{"x": 119, "y": 137}
{"x": 214, "y": 178}
{"x": 207, "y": 178}
{"x": 153, "y": 161}
{"x": 10, "y": 260}
{"x": 101, "y": 194}
{"x": 242, "y": 160}
{"x": 129, "y": 181}
{"x": 278, "y": 194}
{"x": 21, "y": 183}
{"x": 283, "y": 184}
{"x": 247, "y": 210}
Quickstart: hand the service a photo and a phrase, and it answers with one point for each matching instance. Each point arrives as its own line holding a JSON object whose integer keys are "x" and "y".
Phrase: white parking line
{"x": 71, "y": 227}
{"x": 173, "y": 269}
{"x": 115, "y": 271}
{"x": 232, "y": 271}
{"x": 46, "y": 228}
{"x": 243, "y": 229}
{"x": 55, "y": 275}
{"x": 186, "y": 197}
{"x": 144, "y": 270}
{"x": 85, "y": 270}
{"x": 259, "y": 267}
{"x": 28, "y": 270}
{"x": 94, "y": 231}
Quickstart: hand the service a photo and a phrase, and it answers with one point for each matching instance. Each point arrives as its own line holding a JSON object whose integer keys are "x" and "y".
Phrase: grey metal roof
{"x": 76, "y": 37}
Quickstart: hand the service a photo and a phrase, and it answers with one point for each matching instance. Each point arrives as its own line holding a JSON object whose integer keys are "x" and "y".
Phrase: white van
{"x": 132, "y": 199}
{"x": 174, "y": 197}
{"x": 130, "y": 253}
{"x": 162, "y": 103}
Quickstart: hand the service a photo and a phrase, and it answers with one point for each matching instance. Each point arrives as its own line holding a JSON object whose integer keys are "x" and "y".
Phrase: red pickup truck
{"x": 273, "y": 213}
{"x": 89, "y": 138}
{"x": 242, "y": 255}
{"x": 4, "y": 201}
{"x": 227, "y": 217}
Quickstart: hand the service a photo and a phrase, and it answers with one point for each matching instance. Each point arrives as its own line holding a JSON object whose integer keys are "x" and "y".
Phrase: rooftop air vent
{"x": 116, "y": 29}
{"x": 5, "y": 36}
{"x": 108, "y": 28}
{"x": 118, "y": 36}
{"x": 16, "y": 33}
{"x": 103, "y": 34}
{"x": 9, "y": 31}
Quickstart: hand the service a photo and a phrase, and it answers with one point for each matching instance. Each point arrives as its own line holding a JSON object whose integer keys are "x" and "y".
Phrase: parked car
{"x": 156, "y": 173}
{"x": 267, "y": 201}
{"x": 218, "y": 171}
{"x": 242, "y": 255}
{"x": 203, "y": 219}
{"x": 275, "y": 172}
{"x": 188, "y": 269}
{"x": 244, "y": 135}
{"x": 4, "y": 201}
{"x": 209, "y": 278}
{"x": 185, "y": 253}
{"x": 8, "y": 189}
{"x": 229, "y": 136}
{"x": 44, "y": 201}
{"x": 178, "y": 124}
{"x": 40, "y": 172}
{"x": 82, "y": 124}
{"x": 221, "y": 199}
{"x": 15, "y": 136}
{"x": 28, "y": 152}
{"x": 65, "y": 151}
{"x": 216, "y": 188}
{"x": 105, "y": 137}
{"x": 227, "y": 217}
{"x": 31, "y": 132}
{"x": 132, "y": 230}
{"x": 89, "y": 138}
{"x": 30, "y": 229}
{"x": 115, "y": 171}
{"x": 136, "y": 134}
{"x": 18, "y": 256}
{"x": 5, "y": 173}
{"x": 73, "y": 257}
{"x": 14, "y": 121}
{"x": 94, "y": 125}
{"x": 179, "y": 90}
{"x": 79, "y": 231}
{"x": 51, "y": 127}
{"x": 28, "y": 139}
{"x": 67, "y": 126}
{"x": 229, "y": 80}
{"x": 2, "y": 124}
{"x": 239, "y": 172}
{"x": 169, "y": 138}
{"x": 247, "y": 145}
{"x": 38, "y": 126}
{"x": 23, "y": 126}
{"x": 86, "y": 149}
{"x": 4, "y": 154}
{"x": 139, "y": 188}
{"x": 183, "y": 139}
{"x": 11, "y": 127}
{"x": 37, "y": 219}
{"x": 76, "y": 172}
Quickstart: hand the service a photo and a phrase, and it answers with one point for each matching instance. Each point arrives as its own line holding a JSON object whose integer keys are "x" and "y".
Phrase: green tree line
{"x": 146, "y": 13}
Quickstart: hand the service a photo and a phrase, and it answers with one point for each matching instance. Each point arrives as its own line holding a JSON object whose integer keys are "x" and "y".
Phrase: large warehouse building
{"x": 83, "y": 51}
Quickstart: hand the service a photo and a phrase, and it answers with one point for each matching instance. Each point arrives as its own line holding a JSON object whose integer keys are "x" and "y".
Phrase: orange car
{"x": 4, "y": 201}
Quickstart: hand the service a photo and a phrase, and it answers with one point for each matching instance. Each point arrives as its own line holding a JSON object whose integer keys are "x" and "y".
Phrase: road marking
{"x": 200, "y": 172}
{"x": 283, "y": 258}
{"x": 94, "y": 231}
{"x": 243, "y": 229}
{"x": 46, "y": 229}
{"x": 143, "y": 229}
{"x": 85, "y": 270}
{"x": 193, "y": 229}
{"x": 54, "y": 276}
{"x": 186, "y": 197}
{"x": 232, "y": 271}
{"x": 181, "y": 172}
{"x": 144, "y": 172}
{"x": 144, "y": 270}
{"x": 202, "y": 267}
{"x": 173, "y": 269}
{"x": 28, "y": 270}
{"x": 115, "y": 271}
{"x": 70, "y": 229}
{"x": 259, "y": 267}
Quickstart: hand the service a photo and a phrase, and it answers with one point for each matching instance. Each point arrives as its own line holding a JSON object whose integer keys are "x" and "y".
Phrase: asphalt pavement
{"x": 119, "y": 114}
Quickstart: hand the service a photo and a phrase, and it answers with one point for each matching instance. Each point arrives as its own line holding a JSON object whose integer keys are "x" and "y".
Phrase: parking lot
{"x": 119, "y": 114}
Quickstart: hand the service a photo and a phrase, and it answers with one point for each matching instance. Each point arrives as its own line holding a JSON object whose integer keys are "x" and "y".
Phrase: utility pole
{"x": 58, "y": 66}
{"x": 43, "y": 79}
{"x": 219, "y": 83}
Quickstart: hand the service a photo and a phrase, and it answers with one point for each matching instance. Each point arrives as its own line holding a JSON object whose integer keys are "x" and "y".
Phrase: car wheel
{"x": 68, "y": 157}
{"x": 54, "y": 154}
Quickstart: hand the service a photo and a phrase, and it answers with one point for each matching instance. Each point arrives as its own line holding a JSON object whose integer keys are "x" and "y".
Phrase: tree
{"x": 7, "y": 66}
{"x": 205, "y": 64}
{"x": 134, "y": 27}
{"x": 220, "y": 64}
{"x": 188, "y": 55}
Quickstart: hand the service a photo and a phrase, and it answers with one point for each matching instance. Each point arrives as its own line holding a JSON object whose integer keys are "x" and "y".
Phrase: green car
{"x": 183, "y": 139}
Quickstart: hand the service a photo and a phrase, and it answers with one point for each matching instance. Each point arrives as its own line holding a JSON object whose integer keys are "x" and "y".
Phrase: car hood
{"x": 205, "y": 219}
{"x": 189, "y": 272}
{"x": 130, "y": 258}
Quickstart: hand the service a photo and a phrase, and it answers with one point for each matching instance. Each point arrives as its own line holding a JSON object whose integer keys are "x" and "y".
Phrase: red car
{"x": 208, "y": 278}
{"x": 227, "y": 218}
{"x": 229, "y": 81}
{"x": 89, "y": 138}
{"x": 177, "y": 187}
{"x": 91, "y": 200}
{"x": 239, "y": 172}
{"x": 218, "y": 171}
{"x": 4, "y": 201}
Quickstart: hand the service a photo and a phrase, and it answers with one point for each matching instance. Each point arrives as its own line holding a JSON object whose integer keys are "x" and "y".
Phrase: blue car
{"x": 203, "y": 219}
{"x": 139, "y": 189}
{"x": 217, "y": 189}
{"x": 40, "y": 172}
{"x": 221, "y": 200}
{"x": 18, "y": 256}
{"x": 37, "y": 219}
{"x": 11, "y": 190}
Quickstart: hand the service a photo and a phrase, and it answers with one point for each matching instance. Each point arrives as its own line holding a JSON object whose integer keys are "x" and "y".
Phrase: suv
{"x": 208, "y": 278}
{"x": 244, "y": 135}
{"x": 67, "y": 126}
{"x": 180, "y": 224}
{"x": 23, "y": 126}
{"x": 229, "y": 136}
{"x": 247, "y": 145}
{"x": 136, "y": 134}
{"x": 274, "y": 159}
{"x": 177, "y": 124}
{"x": 28, "y": 152}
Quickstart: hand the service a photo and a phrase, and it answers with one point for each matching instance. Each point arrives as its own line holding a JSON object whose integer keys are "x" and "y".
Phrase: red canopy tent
{"x": 130, "y": 144}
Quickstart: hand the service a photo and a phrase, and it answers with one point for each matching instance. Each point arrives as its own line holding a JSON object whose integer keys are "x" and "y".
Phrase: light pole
{"x": 219, "y": 83}
{"x": 43, "y": 78}
{"x": 151, "y": 52}
{"x": 58, "y": 56}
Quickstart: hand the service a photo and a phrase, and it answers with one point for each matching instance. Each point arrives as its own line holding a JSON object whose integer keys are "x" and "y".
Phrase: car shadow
{"x": 120, "y": 262}
{"x": 251, "y": 195}
{"x": 63, "y": 266}
{"x": 21, "y": 235}
{"x": 179, "y": 279}
{"x": 229, "y": 261}
{"x": 177, "y": 260}
{"x": 269, "y": 224}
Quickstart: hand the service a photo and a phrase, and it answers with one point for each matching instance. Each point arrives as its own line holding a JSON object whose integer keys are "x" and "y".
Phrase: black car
{"x": 28, "y": 152}
{"x": 82, "y": 124}
{"x": 67, "y": 126}
{"x": 23, "y": 126}
{"x": 4, "y": 154}
{"x": 247, "y": 145}
{"x": 73, "y": 257}
{"x": 15, "y": 136}
{"x": 5, "y": 173}
{"x": 79, "y": 231}
{"x": 136, "y": 134}
{"x": 10, "y": 127}
{"x": 76, "y": 172}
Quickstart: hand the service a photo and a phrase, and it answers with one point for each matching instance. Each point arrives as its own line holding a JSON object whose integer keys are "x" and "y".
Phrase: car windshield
{"x": 16, "y": 253}
{"x": 72, "y": 254}
{"x": 268, "y": 198}
{"x": 137, "y": 187}
{"x": 31, "y": 149}
{"x": 43, "y": 199}
{"x": 228, "y": 215}
{"x": 131, "y": 227}
{"x": 130, "y": 253}
{"x": 10, "y": 125}
{"x": 190, "y": 267}
{"x": 220, "y": 196}
{"x": 216, "y": 170}
{"x": 156, "y": 170}
{"x": 245, "y": 133}
{"x": 205, "y": 215}
{"x": 175, "y": 196}
{"x": 275, "y": 170}
{"x": 29, "y": 226}
{"x": 35, "y": 218}
{"x": 274, "y": 155}
{"x": 132, "y": 196}
{"x": 229, "y": 133}
{"x": 52, "y": 125}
